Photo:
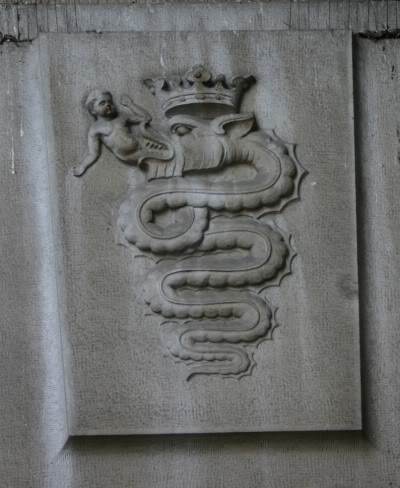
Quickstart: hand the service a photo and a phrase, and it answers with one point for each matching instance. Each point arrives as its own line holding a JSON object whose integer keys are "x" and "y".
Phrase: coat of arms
{"x": 215, "y": 256}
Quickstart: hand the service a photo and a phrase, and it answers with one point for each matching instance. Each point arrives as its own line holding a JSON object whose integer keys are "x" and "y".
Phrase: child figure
{"x": 113, "y": 129}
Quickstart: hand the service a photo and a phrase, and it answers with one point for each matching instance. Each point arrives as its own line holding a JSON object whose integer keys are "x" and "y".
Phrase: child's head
{"x": 100, "y": 104}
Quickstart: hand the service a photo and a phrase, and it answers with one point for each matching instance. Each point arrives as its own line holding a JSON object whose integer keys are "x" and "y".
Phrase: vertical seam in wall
{"x": 52, "y": 232}
{"x": 352, "y": 110}
{"x": 360, "y": 236}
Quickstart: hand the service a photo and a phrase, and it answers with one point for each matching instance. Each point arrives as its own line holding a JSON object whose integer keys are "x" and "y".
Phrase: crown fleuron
{"x": 199, "y": 93}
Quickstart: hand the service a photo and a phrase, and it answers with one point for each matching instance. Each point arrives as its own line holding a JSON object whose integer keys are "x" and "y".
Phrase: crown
{"x": 199, "y": 93}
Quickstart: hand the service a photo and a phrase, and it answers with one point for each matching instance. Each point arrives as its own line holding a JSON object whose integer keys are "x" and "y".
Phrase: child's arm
{"x": 94, "y": 151}
{"x": 137, "y": 114}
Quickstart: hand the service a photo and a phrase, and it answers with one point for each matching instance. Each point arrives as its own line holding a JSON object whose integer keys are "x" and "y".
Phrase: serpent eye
{"x": 181, "y": 130}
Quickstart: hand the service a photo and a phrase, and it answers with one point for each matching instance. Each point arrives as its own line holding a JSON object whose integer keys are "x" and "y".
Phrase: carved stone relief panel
{"x": 196, "y": 151}
{"x": 210, "y": 268}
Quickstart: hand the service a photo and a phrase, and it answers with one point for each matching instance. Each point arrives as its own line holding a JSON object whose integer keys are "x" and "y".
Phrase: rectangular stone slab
{"x": 120, "y": 378}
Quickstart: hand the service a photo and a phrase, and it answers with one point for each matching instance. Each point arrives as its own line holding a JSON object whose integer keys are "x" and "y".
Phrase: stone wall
{"x": 36, "y": 449}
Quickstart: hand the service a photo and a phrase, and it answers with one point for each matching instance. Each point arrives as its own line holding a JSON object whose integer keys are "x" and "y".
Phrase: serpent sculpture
{"x": 214, "y": 254}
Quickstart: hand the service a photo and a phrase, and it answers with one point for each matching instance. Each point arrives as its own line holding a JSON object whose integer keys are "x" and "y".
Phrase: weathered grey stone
{"x": 118, "y": 380}
{"x": 31, "y": 419}
{"x": 26, "y": 19}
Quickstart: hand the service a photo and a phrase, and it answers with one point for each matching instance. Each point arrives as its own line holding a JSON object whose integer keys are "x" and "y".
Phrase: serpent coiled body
{"x": 217, "y": 257}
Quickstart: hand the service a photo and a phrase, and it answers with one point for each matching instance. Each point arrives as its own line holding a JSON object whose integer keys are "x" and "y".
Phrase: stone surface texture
{"x": 119, "y": 379}
{"x": 35, "y": 448}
